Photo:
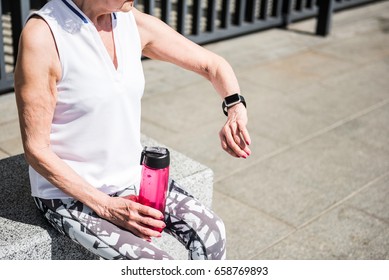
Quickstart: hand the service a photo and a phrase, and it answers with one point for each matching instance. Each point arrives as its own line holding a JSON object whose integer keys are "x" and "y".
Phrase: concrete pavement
{"x": 317, "y": 183}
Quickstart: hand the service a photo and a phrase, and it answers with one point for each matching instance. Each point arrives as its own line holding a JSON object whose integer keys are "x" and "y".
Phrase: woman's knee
{"x": 216, "y": 245}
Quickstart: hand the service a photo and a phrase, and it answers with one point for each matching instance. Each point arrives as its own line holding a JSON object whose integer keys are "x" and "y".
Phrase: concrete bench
{"x": 25, "y": 234}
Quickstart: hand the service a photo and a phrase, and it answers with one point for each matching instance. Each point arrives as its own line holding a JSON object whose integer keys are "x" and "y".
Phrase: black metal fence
{"x": 202, "y": 21}
{"x": 205, "y": 21}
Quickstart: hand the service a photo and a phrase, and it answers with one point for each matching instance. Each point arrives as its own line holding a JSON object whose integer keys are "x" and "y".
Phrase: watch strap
{"x": 226, "y": 104}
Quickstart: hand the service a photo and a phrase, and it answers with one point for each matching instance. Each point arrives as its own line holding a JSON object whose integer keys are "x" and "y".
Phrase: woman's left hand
{"x": 234, "y": 136}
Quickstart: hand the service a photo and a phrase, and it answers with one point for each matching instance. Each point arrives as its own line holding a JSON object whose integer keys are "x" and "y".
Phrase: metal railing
{"x": 6, "y": 53}
{"x": 202, "y": 21}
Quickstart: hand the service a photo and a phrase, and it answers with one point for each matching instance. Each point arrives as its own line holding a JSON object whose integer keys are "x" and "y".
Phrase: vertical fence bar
{"x": 2, "y": 60}
{"x": 181, "y": 15}
{"x": 299, "y": 5}
{"x": 309, "y": 4}
{"x": 263, "y": 7}
{"x": 4, "y": 6}
{"x": 196, "y": 21}
{"x": 250, "y": 11}
{"x": 226, "y": 14}
{"x": 211, "y": 16}
{"x": 239, "y": 12}
{"x": 165, "y": 11}
{"x": 286, "y": 12}
{"x": 37, "y": 4}
{"x": 276, "y": 8}
{"x": 324, "y": 17}
{"x": 19, "y": 12}
{"x": 149, "y": 6}
{"x": 6, "y": 78}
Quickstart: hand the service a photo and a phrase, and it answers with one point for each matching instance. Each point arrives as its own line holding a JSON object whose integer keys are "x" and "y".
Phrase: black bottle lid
{"x": 155, "y": 157}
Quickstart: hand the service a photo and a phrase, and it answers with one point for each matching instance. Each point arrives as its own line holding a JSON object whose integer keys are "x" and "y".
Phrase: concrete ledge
{"x": 25, "y": 234}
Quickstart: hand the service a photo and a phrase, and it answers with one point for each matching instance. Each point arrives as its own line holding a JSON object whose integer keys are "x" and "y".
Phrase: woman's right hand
{"x": 135, "y": 217}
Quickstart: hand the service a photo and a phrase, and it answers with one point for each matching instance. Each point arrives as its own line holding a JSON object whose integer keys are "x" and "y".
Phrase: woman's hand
{"x": 135, "y": 217}
{"x": 234, "y": 135}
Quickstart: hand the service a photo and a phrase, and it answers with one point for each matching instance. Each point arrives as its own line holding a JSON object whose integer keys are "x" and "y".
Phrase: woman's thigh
{"x": 194, "y": 225}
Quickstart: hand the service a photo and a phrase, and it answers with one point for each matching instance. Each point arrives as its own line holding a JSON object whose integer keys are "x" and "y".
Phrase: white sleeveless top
{"x": 96, "y": 124}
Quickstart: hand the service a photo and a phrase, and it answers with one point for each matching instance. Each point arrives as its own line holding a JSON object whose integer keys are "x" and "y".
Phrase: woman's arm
{"x": 36, "y": 74}
{"x": 161, "y": 42}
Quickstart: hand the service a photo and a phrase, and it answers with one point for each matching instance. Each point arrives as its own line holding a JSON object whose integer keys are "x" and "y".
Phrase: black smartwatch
{"x": 232, "y": 100}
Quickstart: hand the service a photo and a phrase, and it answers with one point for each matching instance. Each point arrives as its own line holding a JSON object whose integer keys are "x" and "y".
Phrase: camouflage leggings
{"x": 195, "y": 226}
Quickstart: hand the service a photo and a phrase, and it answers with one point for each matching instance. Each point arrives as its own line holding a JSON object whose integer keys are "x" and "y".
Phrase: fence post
{"x": 181, "y": 16}
{"x": 226, "y": 15}
{"x": 149, "y": 6}
{"x": 240, "y": 6}
{"x": 324, "y": 17}
{"x": 165, "y": 11}
{"x": 19, "y": 12}
{"x": 37, "y": 4}
{"x": 211, "y": 16}
{"x": 2, "y": 63}
{"x": 286, "y": 12}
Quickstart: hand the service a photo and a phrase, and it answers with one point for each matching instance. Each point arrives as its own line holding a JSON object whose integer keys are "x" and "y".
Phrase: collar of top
{"x": 77, "y": 11}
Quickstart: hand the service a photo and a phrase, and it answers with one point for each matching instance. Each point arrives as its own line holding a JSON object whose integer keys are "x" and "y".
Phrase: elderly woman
{"x": 78, "y": 86}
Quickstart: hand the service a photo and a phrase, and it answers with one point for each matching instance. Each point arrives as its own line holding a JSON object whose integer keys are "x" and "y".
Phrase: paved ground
{"x": 316, "y": 185}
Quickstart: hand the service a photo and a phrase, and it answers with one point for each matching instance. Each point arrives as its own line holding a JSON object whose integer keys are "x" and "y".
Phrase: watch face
{"x": 232, "y": 99}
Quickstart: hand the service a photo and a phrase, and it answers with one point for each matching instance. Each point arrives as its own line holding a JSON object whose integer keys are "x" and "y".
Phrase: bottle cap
{"x": 155, "y": 157}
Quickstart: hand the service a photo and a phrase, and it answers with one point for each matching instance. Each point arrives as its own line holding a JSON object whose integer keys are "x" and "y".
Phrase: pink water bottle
{"x": 155, "y": 178}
